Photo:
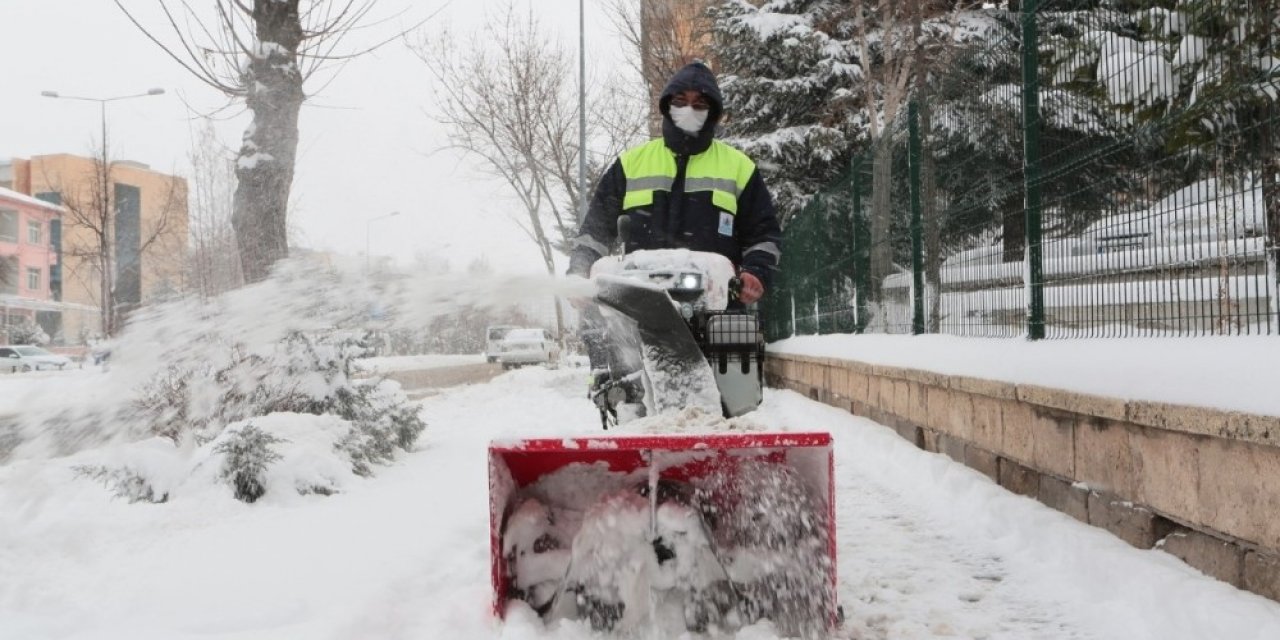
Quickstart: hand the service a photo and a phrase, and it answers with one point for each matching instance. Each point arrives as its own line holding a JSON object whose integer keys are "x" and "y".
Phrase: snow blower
{"x": 673, "y": 533}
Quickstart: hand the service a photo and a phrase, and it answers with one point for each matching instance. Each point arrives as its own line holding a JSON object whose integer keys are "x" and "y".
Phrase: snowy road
{"x": 928, "y": 548}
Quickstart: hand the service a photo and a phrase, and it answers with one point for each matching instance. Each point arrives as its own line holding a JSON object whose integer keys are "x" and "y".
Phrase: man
{"x": 687, "y": 190}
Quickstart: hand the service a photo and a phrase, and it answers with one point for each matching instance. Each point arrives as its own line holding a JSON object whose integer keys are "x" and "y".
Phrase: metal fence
{"x": 1092, "y": 169}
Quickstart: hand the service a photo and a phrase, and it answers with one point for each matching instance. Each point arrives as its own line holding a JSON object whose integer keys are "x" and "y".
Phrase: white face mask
{"x": 689, "y": 120}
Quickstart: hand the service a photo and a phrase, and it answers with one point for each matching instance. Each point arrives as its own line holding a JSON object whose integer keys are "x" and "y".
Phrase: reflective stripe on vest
{"x": 721, "y": 169}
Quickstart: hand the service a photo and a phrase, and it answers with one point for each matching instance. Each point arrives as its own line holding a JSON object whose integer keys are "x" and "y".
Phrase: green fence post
{"x": 917, "y": 219}
{"x": 1031, "y": 169}
{"x": 861, "y": 252}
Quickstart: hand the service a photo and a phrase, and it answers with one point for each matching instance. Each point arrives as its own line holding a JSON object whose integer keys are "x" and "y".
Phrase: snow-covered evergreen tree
{"x": 789, "y": 74}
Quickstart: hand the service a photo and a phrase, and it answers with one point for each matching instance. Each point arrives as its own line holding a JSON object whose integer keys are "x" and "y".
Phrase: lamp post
{"x": 102, "y": 104}
{"x": 109, "y": 310}
{"x": 582, "y": 111}
{"x": 368, "y": 227}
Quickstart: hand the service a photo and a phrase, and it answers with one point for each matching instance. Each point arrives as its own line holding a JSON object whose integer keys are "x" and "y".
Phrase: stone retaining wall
{"x": 450, "y": 376}
{"x": 1202, "y": 484}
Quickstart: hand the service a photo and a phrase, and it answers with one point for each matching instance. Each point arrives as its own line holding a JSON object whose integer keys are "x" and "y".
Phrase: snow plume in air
{"x": 194, "y": 373}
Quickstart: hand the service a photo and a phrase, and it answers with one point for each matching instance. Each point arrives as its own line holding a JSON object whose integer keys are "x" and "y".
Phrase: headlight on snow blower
{"x": 689, "y": 282}
{"x": 686, "y": 287}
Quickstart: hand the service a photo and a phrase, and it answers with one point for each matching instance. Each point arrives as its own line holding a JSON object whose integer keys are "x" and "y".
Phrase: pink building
{"x": 30, "y": 277}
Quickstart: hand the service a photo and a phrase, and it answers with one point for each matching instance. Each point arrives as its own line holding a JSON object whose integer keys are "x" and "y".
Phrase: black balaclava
{"x": 693, "y": 76}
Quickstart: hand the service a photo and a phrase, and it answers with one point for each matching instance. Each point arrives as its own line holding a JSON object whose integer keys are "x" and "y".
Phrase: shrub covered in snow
{"x": 246, "y": 454}
{"x": 123, "y": 482}
{"x": 303, "y": 373}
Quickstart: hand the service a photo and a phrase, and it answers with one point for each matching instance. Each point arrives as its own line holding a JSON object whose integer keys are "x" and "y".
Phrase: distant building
{"x": 29, "y": 265}
{"x": 145, "y": 226}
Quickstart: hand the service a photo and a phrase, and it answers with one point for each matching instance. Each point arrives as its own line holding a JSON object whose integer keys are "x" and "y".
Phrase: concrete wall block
{"x": 1104, "y": 457}
{"x": 856, "y": 386}
{"x": 886, "y": 395}
{"x": 859, "y": 408}
{"x": 929, "y": 438}
{"x": 983, "y": 387}
{"x": 1253, "y": 428}
{"x": 1240, "y": 490}
{"x": 1100, "y": 406}
{"x": 1166, "y": 466}
{"x": 1053, "y": 434}
{"x": 982, "y": 461}
{"x": 1214, "y": 556}
{"x": 917, "y": 403}
{"x": 879, "y": 416}
{"x": 937, "y": 403}
{"x": 1019, "y": 479}
{"x": 838, "y": 380}
{"x": 1262, "y": 574}
{"x": 988, "y": 425}
{"x": 951, "y": 447}
{"x": 948, "y": 411}
{"x": 1173, "y": 417}
{"x": 901, "y": 398}
{"x": 1017, "y": 439}
{"x": 1130, "y": 522}
{"x": 1064, "y": 496}
{"x": 910, "y": 432}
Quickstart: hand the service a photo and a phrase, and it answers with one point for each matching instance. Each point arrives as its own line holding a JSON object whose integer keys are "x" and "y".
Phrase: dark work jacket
{"x": 679, "y": 220}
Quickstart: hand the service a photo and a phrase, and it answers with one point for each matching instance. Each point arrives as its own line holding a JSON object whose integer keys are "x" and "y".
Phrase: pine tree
{"x": 788, "y": 71}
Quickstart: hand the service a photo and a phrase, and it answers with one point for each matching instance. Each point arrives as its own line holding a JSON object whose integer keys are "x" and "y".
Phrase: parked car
{"x": 527, "y": 346}
{"x": 28, "y": 358}
{"x": 493, "y": 339}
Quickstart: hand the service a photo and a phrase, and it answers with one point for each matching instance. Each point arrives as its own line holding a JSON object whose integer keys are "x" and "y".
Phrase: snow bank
{"x": 1234, "y": 373}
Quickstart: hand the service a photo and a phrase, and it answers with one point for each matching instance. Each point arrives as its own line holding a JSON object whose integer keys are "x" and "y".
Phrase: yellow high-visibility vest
{"x": 721, "y": 169}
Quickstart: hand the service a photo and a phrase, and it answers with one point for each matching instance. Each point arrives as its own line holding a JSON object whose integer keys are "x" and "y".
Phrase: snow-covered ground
{"x": 928, "y": 548}
{"x": 1236, "y": 373}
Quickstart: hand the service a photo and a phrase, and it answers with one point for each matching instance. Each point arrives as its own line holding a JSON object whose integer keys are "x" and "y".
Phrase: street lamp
{"x": 109, "y": 309}
{"x": 369, "y": 227}
{"x": 102, "y": 104}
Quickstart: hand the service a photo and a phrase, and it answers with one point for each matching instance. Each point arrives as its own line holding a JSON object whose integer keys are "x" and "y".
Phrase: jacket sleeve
{"x": 758, "y": 231}
{"x": 598, "y": 231}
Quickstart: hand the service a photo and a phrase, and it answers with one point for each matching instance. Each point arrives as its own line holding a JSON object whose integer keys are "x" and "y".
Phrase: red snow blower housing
{"x": 675, "y": 533}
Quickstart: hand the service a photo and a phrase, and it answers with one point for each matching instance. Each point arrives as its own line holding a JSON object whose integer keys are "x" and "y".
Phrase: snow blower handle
{"x": 624, "y": 232}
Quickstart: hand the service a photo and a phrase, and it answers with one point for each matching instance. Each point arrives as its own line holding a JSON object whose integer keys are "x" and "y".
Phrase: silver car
{"x": 28, "y": 358}
{"x": 527, "y": 346}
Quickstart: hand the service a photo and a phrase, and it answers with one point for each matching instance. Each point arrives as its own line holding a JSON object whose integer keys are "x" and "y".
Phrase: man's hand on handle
{"x": 751, "y": 290}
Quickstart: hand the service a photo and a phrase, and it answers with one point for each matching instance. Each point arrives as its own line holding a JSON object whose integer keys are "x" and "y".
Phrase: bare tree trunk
{"x": 105, "y": 254}
{"x": 881, "y": 215}
{"x": 930, "y": 212}
{"x": 265, "y": 167}
{"x": 1014, "y": 229}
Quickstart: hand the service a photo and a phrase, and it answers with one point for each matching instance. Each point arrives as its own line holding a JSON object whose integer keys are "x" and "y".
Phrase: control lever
{"x": 624, "y": 232}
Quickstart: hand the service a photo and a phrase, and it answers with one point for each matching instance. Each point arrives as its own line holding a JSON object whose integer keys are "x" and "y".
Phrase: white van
{"x": 493, "y": 340}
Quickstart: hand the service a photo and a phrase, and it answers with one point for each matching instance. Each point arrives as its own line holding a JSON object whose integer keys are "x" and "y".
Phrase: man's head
{"x": 692, "y": 97}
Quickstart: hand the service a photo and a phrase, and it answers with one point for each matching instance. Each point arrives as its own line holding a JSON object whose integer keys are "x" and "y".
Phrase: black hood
{"x": 693, "y": 76}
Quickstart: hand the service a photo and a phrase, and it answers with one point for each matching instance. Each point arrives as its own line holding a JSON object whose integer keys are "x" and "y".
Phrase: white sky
{"x": 364, "y": 142}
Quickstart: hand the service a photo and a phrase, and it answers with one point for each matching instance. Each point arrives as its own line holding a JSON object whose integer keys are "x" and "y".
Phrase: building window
{"x": 8, "y": 275}
{"x": 33, "y": 278}
{"x": 34, "y": 231}
{"x": 9, "y": 226}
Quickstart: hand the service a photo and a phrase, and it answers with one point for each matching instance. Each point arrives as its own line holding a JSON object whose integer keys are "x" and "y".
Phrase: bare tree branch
{"x": 264, "y": 52}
